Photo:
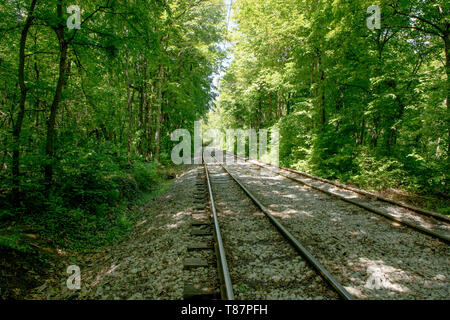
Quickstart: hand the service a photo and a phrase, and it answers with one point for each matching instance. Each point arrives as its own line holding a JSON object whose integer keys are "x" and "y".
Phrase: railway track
{"x": 424, "y": 221}
{"x": 269, "y": 249}
{"x": 224, "y": 274}
{"x": 356, "y": 247}
{"x": 261, "y": 260}
{"x": 201, "y": 266}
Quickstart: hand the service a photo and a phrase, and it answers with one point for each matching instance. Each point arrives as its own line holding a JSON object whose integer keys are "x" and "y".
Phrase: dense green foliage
{"x": 86, "y": 114}
{"x": 366, "y": 106}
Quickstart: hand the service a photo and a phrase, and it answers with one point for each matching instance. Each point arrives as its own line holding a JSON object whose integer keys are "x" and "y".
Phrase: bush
{"x": 87, "y": 206}
{"x": 295, "y": 142}
{"x": 126, "y": 186}
{"x": 146, "y": 175}
{"x": 330, "y": 159}
{"x": 383, "y": 173}
{"x": 77, "y": 228}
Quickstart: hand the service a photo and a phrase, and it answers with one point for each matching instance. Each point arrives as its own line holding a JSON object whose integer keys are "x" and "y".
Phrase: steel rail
{"x": 227, "y": 293}
{"x": 294, "y": 242}
{"x": 432, "y": 214}
{"x": 444, "y": 237}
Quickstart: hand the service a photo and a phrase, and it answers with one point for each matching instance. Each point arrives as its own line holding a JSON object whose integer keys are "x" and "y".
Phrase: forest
{"x": 365, "y": 106}
{"x": 86, "y": 113}
{"x": 87, "y": 110}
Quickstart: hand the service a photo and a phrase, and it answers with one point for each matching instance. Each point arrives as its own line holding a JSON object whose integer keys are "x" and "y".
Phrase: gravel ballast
{"x": 372, "y": 257}
{"x": 403, "y": 213}
{"x": 262, "y": 263}
{"x": 146, "y": 265}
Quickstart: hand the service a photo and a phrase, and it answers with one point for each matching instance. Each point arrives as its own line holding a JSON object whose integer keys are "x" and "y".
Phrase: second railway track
{"x": 372, "y": 257}
{"x": 424, "y": 221}
{"x": 261, "y": 263}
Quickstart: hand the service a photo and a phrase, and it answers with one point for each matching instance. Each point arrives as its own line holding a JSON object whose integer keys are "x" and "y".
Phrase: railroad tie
{"x": 190, "y": 263}
{"x": 200, "y": 216}
{"x": 200, "y": 291}
{"x": 201, "y": 232}
{"x": 194, "y": 246}
{"x": 200, "y": 223}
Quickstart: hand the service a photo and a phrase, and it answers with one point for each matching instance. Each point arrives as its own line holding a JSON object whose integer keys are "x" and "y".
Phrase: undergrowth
{"x": 91, "y": 202}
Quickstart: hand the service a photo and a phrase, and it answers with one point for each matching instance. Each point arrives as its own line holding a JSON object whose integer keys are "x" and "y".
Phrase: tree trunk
{"x": 288, "y": 104}
{"x": 63, "y": 47}
{"x": 158, "y": 112}
{"x": 447, "y": 71}
{"x": 361, "y": 135}
{"x": 23, "y": 97}
{"x": 322, "y": 94}
{"x": 149, "y": 111}
{"x": 129, "y": 104}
